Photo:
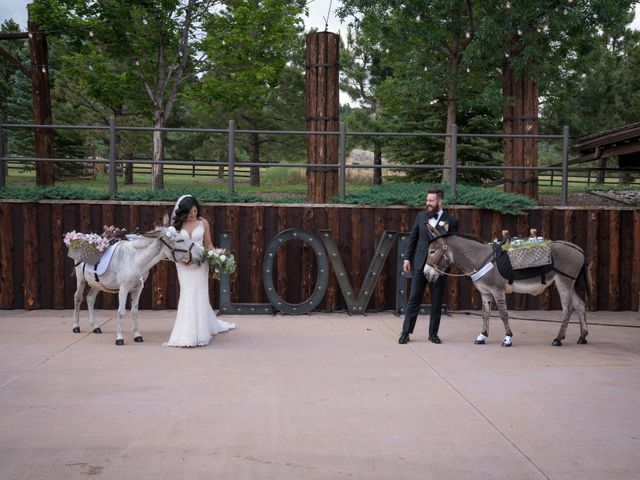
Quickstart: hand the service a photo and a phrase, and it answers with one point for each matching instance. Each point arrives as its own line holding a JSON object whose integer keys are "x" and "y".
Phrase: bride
{"x": 195, "y": 320}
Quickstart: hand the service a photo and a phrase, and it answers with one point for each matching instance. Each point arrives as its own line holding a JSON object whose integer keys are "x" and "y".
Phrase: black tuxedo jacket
{"x": 420, "y": 237}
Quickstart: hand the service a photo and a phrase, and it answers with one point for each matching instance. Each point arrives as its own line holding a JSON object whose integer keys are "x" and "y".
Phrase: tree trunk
{"x": 625, "y": 163}
{"x": 602, "y": 164}
{"x": 323, "y": 114}
{"x": 41, "y": 99}
{"x": 222, "y": 157}
{"x": 377, "y": 160}
{"x": 520, "y": 118}
{"x": 254, "y": 177}
{"x": 157, "y": 176}
{"x": 128, "y": 170}
{"x": 452, "y": 108}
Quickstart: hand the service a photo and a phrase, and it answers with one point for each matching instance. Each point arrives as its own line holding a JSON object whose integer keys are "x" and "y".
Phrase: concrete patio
{"x": 323, "y": 396}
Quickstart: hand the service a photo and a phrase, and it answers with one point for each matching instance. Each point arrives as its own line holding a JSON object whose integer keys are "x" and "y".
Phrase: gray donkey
{"x": 478, "y": 260}
{"x": 127, "y": 271}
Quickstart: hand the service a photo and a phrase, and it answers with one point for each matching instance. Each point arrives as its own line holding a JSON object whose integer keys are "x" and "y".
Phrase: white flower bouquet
{"x": 85, "y": 247}
{"x": 221, "y": 260}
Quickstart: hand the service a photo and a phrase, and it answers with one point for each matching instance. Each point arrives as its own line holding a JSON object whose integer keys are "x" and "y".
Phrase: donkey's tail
{"x": 582, "y": 281}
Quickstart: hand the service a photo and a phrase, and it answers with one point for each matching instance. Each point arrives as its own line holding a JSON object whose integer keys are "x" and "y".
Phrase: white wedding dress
{"x": 195, "y": 321}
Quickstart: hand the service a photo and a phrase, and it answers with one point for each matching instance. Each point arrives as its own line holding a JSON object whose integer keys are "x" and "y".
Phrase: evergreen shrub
{"x": 414, "y": 194}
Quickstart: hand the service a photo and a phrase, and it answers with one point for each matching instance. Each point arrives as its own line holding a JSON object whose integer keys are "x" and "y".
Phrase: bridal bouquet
{"x": 221, "y": 261}
{"x": 85, "y": 247}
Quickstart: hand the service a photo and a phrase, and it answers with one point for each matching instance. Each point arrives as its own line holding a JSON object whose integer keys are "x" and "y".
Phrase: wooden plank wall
{"x": 35, "y": 271}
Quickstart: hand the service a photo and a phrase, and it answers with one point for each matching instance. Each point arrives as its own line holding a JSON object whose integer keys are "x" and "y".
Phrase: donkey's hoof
{"x": 582, "y": 341}
{"x": 556, "y": 343}
{"x": 138, "y": 339}
{"x": 97, "y": 330}
{"x": 120, "y": 342}
{"x": 479, "y": 342}
{"x": 505, "y": 344}
{"x": 76, "y": 329}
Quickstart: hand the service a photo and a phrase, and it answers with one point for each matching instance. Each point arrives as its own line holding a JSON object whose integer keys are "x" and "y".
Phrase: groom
{"x": 416, "y": 256}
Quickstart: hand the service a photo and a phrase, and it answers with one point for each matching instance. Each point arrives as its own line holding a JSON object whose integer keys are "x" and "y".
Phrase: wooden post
{"x": 6, "y": 256}
{"x": 520, "y": 118}
{"x": 41, "y": 100}
{"x": 323, "y": 114}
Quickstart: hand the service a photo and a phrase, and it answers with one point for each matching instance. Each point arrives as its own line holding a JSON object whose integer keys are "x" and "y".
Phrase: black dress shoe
{"x": 404, "y": 338}
{"x": 435, "y": 339}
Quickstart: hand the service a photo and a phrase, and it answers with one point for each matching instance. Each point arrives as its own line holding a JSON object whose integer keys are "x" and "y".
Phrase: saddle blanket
{"x": 101, "y": 267}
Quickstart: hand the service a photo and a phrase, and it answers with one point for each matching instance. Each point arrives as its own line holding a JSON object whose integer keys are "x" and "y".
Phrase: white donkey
{"x": 127, "y": 271}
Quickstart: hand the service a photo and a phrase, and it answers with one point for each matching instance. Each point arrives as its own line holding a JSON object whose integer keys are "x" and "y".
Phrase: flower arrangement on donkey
{"x": 221, "y": 260}
{"x": 85, "y": 247}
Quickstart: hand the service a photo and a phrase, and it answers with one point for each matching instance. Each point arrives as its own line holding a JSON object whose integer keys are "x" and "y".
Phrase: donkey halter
{"x": 445, "y": 249}
{"x": 174, "y": 250}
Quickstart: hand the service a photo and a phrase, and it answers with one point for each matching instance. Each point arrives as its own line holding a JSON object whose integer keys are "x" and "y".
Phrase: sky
{"x": 318, "y": 11}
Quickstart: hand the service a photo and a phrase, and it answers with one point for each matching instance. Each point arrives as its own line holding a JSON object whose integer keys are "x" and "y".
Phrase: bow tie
{"x": 433, "y": 215}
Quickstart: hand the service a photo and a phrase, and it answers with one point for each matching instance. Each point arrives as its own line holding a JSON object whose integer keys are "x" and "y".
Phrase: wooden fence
{"x": 35, "y": 271}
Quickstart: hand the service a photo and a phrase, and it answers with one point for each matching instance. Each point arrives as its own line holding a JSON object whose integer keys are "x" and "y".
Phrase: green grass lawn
{"x": 275, "y": 182}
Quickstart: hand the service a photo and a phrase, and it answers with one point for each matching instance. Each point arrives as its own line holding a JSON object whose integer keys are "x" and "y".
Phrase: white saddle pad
{"x": 101, "y": 267}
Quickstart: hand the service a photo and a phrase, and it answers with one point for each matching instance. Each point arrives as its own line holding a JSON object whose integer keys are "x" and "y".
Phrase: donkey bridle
{"x": 174, "y": 250}
{"x": 445, "y": 247}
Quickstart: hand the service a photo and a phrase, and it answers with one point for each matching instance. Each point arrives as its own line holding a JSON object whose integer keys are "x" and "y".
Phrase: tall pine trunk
{"x": 520, "y": 118}
{"x": 254, "y": 178}
{"x": 452, "y": 107}
{"x": 377, "y": 161}
{"x": 157, "y": 175}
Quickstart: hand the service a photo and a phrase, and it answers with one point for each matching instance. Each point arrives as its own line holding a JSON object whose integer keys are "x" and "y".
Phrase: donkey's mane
{"x": 141, "y": 241}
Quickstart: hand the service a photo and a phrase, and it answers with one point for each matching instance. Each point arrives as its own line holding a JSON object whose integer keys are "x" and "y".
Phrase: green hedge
{"x": 169, "y": 195}
{"x": 410, "y": 194}
{"x": 414, "y": 194}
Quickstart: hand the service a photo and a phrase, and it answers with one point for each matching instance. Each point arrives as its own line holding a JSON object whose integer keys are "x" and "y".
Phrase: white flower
{"x": 223, "y": 258}
{"x": 210, "y": 253}
{"x": 441, "y": 223}
{"x": 171, "y": 231}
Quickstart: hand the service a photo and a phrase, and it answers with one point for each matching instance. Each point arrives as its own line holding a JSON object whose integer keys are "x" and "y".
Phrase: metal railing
{"x": 232, "y": 132}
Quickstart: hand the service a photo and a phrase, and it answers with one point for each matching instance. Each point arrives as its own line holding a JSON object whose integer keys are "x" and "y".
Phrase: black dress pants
{"x": 418, "y": 284}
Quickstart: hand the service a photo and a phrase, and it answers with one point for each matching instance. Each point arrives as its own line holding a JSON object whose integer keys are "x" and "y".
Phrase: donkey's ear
{"x": 153, "y": 233}
{"x": 433, "y": 231}
{"x": 165, "y": 220}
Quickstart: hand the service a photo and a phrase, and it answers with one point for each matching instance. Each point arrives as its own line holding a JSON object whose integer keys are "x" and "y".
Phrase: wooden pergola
{"x": 622, "y": 142}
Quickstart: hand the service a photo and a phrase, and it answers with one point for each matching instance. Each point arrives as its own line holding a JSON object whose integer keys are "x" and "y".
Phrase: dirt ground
{"x": 611, "y": 198}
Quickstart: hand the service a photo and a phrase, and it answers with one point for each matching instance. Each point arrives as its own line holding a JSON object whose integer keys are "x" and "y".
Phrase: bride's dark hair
{"x": 184, "y": 207}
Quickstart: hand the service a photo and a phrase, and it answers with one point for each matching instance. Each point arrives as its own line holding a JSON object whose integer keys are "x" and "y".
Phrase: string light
{"x": 418, "y": 18}
{"x": 144, "y": 20}
{"x": 91, "y": 33}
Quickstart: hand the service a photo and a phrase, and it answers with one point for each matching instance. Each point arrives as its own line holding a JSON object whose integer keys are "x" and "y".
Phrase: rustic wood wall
{"x": 35, "y": 271}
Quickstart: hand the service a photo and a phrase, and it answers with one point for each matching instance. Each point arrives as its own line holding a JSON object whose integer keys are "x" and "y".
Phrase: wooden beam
{"x": 14, "y": 61}
{"x": 14, "y": 35}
